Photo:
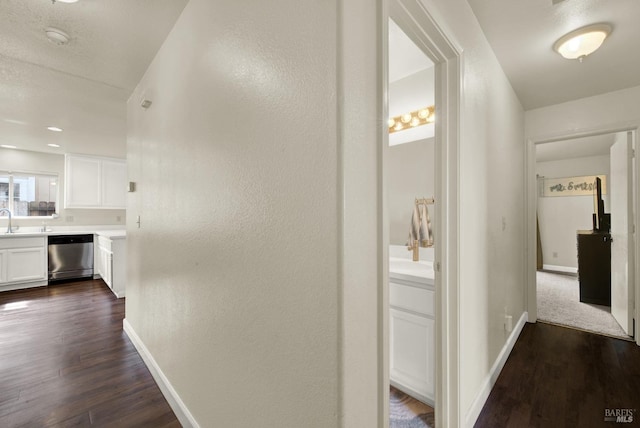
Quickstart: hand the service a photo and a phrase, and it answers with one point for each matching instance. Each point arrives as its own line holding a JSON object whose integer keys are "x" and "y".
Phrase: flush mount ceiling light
{"x": 54, "y": 129}
{"x": 57, "y": 36}
{"x": 63, "y": 1}
{"x": 8, "y": 146}
{"x": 53, "y": 145}
{"x": 582, "y": 42}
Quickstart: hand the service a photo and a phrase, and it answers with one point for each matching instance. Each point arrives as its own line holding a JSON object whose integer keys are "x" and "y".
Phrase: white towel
{"x": 426, "y": 240}
{"x": 420, "y": 228}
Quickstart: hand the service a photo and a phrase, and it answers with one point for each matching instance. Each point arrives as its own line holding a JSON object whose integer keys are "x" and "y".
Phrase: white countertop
{"x": 408, "y": 270}
{"x": 84, "y": 230}
{"x": 113, "y": 234}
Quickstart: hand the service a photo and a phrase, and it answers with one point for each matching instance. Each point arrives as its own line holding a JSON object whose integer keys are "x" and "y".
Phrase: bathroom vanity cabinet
{"x": 412, "y": 331}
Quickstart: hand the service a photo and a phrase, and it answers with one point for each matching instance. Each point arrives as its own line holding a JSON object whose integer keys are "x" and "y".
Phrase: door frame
{"x": 532, "y": 206}
{"x": 424, "y": 30}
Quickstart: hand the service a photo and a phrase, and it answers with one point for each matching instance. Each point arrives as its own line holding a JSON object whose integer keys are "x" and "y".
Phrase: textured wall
{"x": 611, "y": 110}
{"x": 249, "y": 301}
{"x": 491, "y": 201}
{"x": 235, "y": 289}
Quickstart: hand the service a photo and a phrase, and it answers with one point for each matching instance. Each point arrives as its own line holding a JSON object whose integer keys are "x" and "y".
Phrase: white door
{"x": 621, "y": 198}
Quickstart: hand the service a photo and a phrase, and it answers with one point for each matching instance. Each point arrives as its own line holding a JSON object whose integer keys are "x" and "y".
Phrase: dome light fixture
{"x": 57, "y": 36}
{"x": 63, "y": 1}
{"x": 54, "y": 129}
{"x": 582, "y": 42}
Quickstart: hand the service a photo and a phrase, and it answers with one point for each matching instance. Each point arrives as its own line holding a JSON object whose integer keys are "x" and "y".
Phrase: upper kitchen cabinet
{"x": 95, "y": 182}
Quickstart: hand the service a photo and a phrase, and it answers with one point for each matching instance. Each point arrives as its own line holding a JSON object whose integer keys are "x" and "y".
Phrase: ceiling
{"x": 81, "y": 86}
{"x": 522, "y": 33}
{"x": 405, "y": 58}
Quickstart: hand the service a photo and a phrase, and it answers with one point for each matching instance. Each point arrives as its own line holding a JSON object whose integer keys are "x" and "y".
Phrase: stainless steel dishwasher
{"x": 70, "y": 257}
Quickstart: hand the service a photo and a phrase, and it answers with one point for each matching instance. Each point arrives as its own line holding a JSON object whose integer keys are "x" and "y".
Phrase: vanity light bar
{"x": 412, "y": 119}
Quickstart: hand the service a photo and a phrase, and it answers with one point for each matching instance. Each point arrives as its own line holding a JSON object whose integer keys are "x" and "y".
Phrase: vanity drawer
{"x": 410, "y": 298}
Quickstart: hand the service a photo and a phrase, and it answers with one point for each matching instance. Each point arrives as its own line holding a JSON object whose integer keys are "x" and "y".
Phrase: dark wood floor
{"x": 65, "y": 361}
{"x": 560, "y": 377}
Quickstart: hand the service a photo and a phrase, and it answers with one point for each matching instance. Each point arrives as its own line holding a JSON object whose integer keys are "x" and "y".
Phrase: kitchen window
{"x": 28, "y": 194}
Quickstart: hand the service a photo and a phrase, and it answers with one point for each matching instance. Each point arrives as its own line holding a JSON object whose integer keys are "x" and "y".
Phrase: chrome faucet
{"x": 6, "y": 210}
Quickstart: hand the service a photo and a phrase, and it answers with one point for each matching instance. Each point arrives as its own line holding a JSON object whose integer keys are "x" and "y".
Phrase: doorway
{"x": 420, "y": 27}
{"x": 562, "y": 218}
{"x": 410, "y": 183}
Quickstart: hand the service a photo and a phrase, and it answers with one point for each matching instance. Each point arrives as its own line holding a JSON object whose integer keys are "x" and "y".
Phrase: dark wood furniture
{"x": 594, "y": 267}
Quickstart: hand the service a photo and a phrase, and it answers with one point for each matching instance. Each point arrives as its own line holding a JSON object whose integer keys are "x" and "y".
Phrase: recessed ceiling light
{"x": 8, "y": 146}
{"x": 53, "y": 145}
{"x": 54, "y": 129}
{"x": 64, "y": 1}
{"x": 57, "y": 36}
{"x": 582, "y": 42}
{"x": 17, "y": 122}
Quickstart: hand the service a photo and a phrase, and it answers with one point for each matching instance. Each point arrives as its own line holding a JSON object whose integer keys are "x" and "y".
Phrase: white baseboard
{"x": 493, "y": 374}
{"x": 24, "y": 285}
{"x": 182, "y": 413}
{"x": 555, "y": 268}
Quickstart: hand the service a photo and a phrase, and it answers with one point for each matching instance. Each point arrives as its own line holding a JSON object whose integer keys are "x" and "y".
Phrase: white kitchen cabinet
{"x": 114, "y": 184}
{"x": 23, "y": 262}
{"x": 95, "y": 182}
{"x": 412, "y": 339}
{"x": 111, "y": 262}
{"x": 3, "y": 266}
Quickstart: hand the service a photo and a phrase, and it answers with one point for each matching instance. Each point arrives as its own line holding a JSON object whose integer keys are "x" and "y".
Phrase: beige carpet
{"x": 559, "y": 303}
{"x": 407, "y": 412}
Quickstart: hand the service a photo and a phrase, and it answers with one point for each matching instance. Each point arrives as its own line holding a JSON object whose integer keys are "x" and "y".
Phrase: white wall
{"x": 255, "y": 294}
{"x": 561, "y": 216}
{"x": 491, "y": 237}
{"x": 238, "y": 292}
{"x": 608, "y": 111}
{"x": 410, "y": 175}
{"x": 21, "y": 160}
{"x": 411, "y": 93}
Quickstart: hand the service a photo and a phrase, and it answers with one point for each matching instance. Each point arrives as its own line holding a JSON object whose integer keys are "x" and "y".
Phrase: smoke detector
{"x": 57, "y": 36}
